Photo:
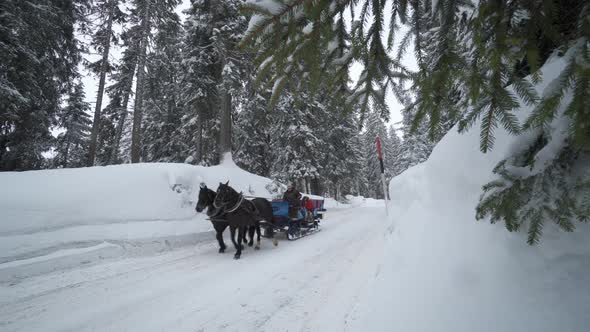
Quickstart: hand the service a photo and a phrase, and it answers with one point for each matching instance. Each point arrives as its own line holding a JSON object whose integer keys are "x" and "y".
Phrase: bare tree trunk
{"x": 66, "y": 153}
{"x": 136, "y": 143}
{"x": 101, "y": 83}
{"x": 225, "y": 124}
{"x": 199, "y": 142}
{"x": 301, "y": 184}
{"x": 120, "y": 126}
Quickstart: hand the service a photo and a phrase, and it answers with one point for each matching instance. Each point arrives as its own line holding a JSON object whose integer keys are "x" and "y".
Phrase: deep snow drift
{"x": 60, "y": 218}
{"x": 448, "y": 272}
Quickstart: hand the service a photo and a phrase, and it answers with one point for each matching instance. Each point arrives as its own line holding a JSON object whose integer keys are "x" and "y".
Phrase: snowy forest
{"x": 169, "y": 92}
{"x": 270, "y": 81}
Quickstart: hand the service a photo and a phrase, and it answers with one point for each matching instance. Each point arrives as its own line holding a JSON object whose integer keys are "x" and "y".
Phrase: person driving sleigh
{"x": 292, "y": 196}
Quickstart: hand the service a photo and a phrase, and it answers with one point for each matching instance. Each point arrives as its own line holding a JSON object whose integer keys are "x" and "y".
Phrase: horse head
{"x": 206, "y": 198}
{"x": 225, "y": 195}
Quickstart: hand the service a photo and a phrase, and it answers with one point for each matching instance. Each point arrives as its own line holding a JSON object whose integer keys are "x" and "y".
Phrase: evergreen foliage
{"x": 417, "y": 144}
{"x": 293, "y": 34}
{"x": 478, "y": 62}
{"x": 115, "y": 115}
{"x": 163, "y": 141}
{"x": 72, "y": 144}
{"x": 211, "y": 63}
{"x": 375, "y": 127}
{"x": 253, "y": 132}
{"x": 106, "y": 14}
{"x": 38, "y": 59}
{"x": 296, "y": 139}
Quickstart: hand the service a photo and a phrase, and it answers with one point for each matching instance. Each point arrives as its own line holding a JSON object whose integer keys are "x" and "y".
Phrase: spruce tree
{"x": 295, "y": 141}
{"x": 214, "y": 70}
{"x": 416, "y": 146}
{"x": 144, "y": 11}
{"x": 72, "y": 144}
{"x": 146, "y": 16}
{"x": 163, "y": 101}
{"x": 392, "y": 153}
{"x": 477, "y": 62}
{"x": 253, "y": 131}
{"x": 38, "y": 61}
{"x": 115, "y": 115}
{"x": 107, "y": 14}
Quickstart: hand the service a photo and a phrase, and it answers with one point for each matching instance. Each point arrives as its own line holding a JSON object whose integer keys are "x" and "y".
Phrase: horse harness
{"x": 246, "y": 205}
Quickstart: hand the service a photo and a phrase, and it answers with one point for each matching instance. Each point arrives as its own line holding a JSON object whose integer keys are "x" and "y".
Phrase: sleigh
{"x": 295, "y": 222}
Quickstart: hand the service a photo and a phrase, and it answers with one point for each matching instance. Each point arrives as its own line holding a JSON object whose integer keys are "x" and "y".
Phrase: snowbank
{"x": 48, "y": 214}
{"x": 358, "y": 201}
{"x": 447, "y": 272}
{"x": 51, "y": 199}
{"x": 331, "y": 203}
{"x": 353, "y": 202}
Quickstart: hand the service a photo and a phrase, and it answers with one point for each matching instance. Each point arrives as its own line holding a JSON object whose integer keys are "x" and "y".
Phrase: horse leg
{"x": 271, "y": 230}
{"x": 257, "y": 237}
{"x": 219, "y": 230}
{"x": 251, "y": 234}
{"x": 269, "y": 219}
{"x": 232, "y": 229}
{"x": 232, "y": 232}
{"x": 241, "y": 231}
{"x": 245, "y": 237}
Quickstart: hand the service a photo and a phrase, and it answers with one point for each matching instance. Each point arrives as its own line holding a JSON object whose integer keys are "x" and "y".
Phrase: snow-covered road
{"x": 317, "y": 283}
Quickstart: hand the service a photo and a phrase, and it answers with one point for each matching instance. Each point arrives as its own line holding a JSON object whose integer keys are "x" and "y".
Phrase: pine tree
{"x": 214, "y": 70}
{"x": 145, "y": 16}
{"x": 163, "y": 102}
{"x": 72, "y": 144}
{"x": 342, "y": 156}
{"x": 115, "y": 115}
{"x": 392, "y": 154}
{"x": 38, "y": 61}
{"x": 144, "y": 10}
{"x": 108, "y": 13}
{"x": 416, "y": 146}
{"x": 253, "y": 131}
{"x": 295, "y": 141}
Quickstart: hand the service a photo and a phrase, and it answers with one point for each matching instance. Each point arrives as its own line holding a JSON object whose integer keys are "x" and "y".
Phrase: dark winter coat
{"x": 292, "y": 196}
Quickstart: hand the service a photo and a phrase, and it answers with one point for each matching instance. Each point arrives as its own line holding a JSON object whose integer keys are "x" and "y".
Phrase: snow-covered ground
{"x": 90, "y": 249}
{"x": 314, "y": 284}
{"x": 122, "y": 248}
{"x": 445, "y": 271}
{"x": 60, "y": 218}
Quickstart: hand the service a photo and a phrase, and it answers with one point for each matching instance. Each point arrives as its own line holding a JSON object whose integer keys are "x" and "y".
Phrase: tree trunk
{"x": 199, "y": 141}
{"x": 66, "y": 155}
{"x": 101, "y": 83}
{"x": 119, "y": 131}
{"x": 225, "y": 124}
{"x": 136, "y": 143}
{"x": 301, "y": 184}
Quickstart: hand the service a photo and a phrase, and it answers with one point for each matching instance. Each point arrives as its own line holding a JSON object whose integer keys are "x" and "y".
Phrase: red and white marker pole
{"x": 382, "y": 173}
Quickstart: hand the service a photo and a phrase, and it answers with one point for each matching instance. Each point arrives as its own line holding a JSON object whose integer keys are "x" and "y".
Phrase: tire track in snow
{"x": 308, "y": 284}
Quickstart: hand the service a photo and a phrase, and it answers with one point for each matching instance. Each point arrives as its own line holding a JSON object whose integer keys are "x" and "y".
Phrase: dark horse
{"x": 217, "y": 217}
{"x": 242, "y": 214}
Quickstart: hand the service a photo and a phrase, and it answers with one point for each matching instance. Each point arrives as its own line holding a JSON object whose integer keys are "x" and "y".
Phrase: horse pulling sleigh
{"x": 226, "y": 207}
